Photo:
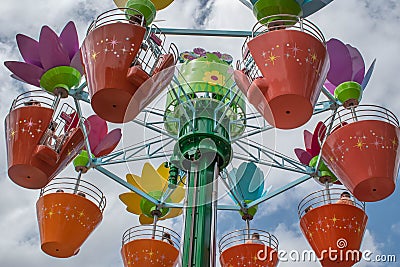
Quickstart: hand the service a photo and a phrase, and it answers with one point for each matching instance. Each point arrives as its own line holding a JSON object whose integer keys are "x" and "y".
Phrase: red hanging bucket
{"x": 364, "y": 153}
{"x": 334, "y": 228}
{"x": 145, "y": 247}
{"x": 36, "y": 154}
{"x": 108, "y": 51}
{"x": 292, "y": 65}
{"x": 238, "y": 248}
{"x": 67, "y": 214}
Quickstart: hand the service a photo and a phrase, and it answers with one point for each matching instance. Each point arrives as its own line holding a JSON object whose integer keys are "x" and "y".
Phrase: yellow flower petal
{"x": 133, "y": 180}
{"x": 177, "y": 195}
{"x": 143, "y": 219}
{"x": 172, "y": 214}
{"x": 151, "y": 180}
{"x": 132, "y": 201}
{"x": 164, "y": 172}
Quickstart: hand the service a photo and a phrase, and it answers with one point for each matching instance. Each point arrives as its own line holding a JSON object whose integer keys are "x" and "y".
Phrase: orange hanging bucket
{"x": 293, "y": 63}
{"x": 108, "y": 51}
{"x": 238, "y": 248}
{"x": 67, "y": 214}
{"x": 141, "y": 245}
{"x": 34, "y": 155}
{"x": 364, "y": 153}
{"x": 334, "y": 228}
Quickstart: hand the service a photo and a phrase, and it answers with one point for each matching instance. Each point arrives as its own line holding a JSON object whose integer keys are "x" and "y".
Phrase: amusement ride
{"x": 200, "y": 110}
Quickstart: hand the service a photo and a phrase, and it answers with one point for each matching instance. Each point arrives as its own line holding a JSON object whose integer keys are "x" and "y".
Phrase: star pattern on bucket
{"x": 289, "y": 52}
{"x": 148, "y": 257}
{"x": 28, "y": 126}
{"x": 75, "y": 214}
{"x": 363, "y": 142}
{"x": 110, "y": 46}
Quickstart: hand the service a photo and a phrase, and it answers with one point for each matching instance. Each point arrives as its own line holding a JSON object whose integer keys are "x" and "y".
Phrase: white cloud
{"x": 396, "y": 228}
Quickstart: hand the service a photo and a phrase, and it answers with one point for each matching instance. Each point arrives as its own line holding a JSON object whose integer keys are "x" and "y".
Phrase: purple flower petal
{"x": 97, "y": 130}
{"x": 29, "y": 49}
{"x": 200, "y": 51}
{"x": 340, "y": 62}
{"x": 108, "y": 143}
{"x": 27, "y": 72}
{"x": 303, "y": 156}
{"x": 76, "y": 62}
{"x": 331, "y": 88}
{"x": 52, "y": 53}
{"x": 358, "y": 65}
{"x": 218, "y": 54}
{"x": 69, "y": 39}
{"x": 17, "y": 78}
{"x": 368, "y": 75}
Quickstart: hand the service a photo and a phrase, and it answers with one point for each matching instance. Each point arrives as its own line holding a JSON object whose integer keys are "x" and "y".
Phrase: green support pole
{"x": 201, "y": 110}
{"x": 198, "y": 226}
{"x": 202, "y": 151}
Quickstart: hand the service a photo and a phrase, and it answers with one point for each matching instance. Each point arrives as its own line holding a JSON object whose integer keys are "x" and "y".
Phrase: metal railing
{"x": 345, "y": 116}
{"x": 326, "y": 197}
{"x": 33, "y": 98}
{"x": 286, "y": 21}
{"x": 78, "y": 187}
{"x": 152, "y": 47}
{"x": 240, "y": 237}
{"x": 117, "y": 15}
{"x": 148, "y": 232}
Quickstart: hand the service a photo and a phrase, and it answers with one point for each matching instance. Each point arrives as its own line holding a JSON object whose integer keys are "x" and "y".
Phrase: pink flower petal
{"x": 108, "y": 144}
{"x": 303, "y": 156}
{"x": 307, "y": 140}
{"x": 97, "y": 130}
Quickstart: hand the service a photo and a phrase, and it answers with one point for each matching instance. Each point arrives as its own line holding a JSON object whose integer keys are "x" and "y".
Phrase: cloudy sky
{"x": 371, "y": 26}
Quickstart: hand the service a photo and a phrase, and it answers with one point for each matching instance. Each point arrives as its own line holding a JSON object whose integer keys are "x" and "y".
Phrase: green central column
{"x": 202, "y": 149}
{"x": 198, "y": 218}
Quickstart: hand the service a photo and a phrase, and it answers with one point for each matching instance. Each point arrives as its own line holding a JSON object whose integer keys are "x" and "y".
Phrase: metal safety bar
{"x": 33, "y": 98}
{"x": 326, "y": 197}
{"x": 147, "y": 232}
{"x": 240, "y": 237}
{"x": 345, "y": 116}
{"x": 75, "y": 186}
{"x": 117, "y": 15}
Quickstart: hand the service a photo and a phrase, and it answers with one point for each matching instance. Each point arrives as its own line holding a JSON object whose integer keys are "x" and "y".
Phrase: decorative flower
{"x": 51, "y": 51}
{"x": 311, "y": 142}
{"x": 247, "y": 184}
{"x": 199, "y": 51}
{"x": 346, "y": 65}
{"x": 214, "y": 78}
{"x": 101, "y": 142}
{"x": 310, "y": 155}
{"x": 153, "y": 182}
{"x": 247, "y": 181}
{"x": 227, "y": 58}
{"x": 307, "y": 7}
{"x": 202, "y": 54}
{"x": 218, "y": 54}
